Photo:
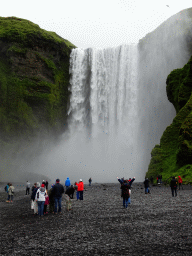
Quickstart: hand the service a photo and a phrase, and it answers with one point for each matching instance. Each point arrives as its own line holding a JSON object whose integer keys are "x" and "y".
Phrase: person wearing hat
{"x": 80, "y": 189}
{"x": 58, "y": 190}
{"x": 40, "y": 198}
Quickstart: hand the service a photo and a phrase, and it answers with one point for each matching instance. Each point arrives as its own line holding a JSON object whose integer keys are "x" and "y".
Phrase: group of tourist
{"x": 173, "y": 184}
{"x": 41, "y": 197}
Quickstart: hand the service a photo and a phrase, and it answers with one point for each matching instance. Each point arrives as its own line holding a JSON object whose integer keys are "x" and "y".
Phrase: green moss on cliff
{"x": 34, "y": 80}
{"x": 174, "y": 154}
{"x": 14, "y": 29}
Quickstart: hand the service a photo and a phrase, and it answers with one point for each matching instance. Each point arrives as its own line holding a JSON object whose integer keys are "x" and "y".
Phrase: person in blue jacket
{"x": 67, "y": 183}
{"x": 7, "y": 190}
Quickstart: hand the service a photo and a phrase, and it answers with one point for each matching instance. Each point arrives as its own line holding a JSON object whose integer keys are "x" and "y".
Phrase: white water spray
{"x": 103, "y": 110}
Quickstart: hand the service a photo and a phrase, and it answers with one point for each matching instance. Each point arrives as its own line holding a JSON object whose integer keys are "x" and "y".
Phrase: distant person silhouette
{"x": 146, "y": 184}
{"x": 28, "y": 188}
{"x": 46, "y": 184}
{"x": 67, "y": 183}
{"x": 7, "y": 190}
{"x": 125, "y": 193}
{"x": 180, "y": 182}
{"x": 173, "y": 185}
{"x": 10, "y": 192}
{"x": 90, "y": 180}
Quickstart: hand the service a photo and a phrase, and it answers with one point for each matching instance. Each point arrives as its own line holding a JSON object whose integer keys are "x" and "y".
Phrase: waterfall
{"x": 103, "y": 113}
{"x": 118, "y": 107}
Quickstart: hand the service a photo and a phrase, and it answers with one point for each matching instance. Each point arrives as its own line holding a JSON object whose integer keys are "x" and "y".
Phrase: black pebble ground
{"x": 154, "y": 224}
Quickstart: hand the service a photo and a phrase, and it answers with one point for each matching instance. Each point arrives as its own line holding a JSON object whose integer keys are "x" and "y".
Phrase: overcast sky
{"x": 100, "y": 23}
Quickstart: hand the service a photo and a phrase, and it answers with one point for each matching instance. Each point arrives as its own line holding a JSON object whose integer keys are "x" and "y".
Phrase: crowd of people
{"x": 42, "y": 197}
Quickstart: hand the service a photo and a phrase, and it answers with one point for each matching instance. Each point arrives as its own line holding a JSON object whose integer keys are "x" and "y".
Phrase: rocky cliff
{"x": 174, "y": 154}
{"x": 34, "y": 80}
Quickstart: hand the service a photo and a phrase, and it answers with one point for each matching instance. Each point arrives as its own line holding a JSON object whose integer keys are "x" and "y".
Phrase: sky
{"x": 98, "y": 24}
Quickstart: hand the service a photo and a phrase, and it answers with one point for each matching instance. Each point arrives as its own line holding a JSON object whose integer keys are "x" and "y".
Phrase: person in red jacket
{"x": 180, "y": 182}
{"x": 80, "y": 189}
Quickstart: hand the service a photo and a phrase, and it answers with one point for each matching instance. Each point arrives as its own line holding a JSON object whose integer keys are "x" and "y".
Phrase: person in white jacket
{"x": 40, "y": 198}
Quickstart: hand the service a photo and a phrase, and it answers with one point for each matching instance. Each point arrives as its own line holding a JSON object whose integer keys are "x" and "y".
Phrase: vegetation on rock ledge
{"x": 173, "y": 156}
{"x": 34, "y": 80}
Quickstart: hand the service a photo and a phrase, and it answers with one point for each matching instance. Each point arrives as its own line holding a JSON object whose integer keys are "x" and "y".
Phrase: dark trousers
{"x": 180, "y": 184}
{"x": 45, "y": 208}
{"x": 174, "y": 189}
{"x": 27, "y": 191}
{"x": 10, "y": 197}
{"x": 40, "y": 207}
{"x": 57, "y": 201}
{"x": 125, "y": 202}
{"x": 51, "y": 206}
{"x": 81, "y": 195}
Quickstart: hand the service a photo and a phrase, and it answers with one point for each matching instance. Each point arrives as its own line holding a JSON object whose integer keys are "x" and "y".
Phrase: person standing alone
{"x": 7, "y": 190}
{"x": 125, "y": 193}
{"x": 173, "y": 186}
{"x": 27, "y": 188}
{"x": 146, "y": 184}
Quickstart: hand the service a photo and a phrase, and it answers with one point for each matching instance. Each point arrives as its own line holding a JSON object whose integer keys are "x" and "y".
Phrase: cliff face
{"x": 174, "y": 154}
{"x": 165, "y": 49}
{"x": 34, "y": 80}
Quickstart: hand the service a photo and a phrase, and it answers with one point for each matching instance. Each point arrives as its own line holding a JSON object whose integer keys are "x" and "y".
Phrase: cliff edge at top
{"x": 34, "y": 80}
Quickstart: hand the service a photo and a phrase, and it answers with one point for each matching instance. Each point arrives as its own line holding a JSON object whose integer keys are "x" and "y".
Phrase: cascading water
{"x": 103, "y": 110}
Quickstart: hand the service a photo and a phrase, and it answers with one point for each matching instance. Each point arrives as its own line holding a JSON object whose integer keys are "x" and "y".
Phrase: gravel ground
{"x": 154, "y": 224}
